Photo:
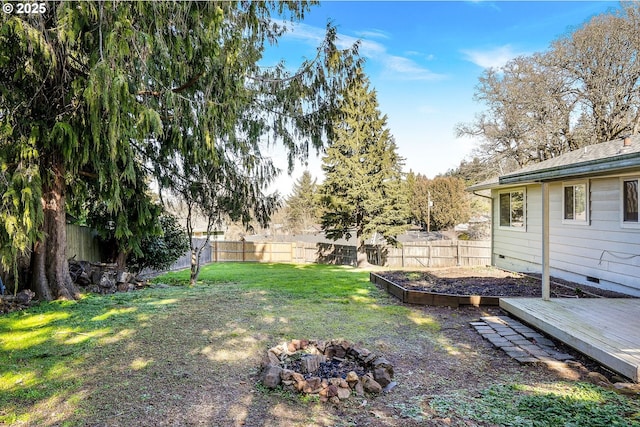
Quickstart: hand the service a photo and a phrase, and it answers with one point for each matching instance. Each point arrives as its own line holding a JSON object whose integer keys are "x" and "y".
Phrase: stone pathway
{"x": 519, "y": 341}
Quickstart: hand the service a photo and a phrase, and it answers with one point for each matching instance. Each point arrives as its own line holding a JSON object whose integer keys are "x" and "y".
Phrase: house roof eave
{"x": 617, "y": 164}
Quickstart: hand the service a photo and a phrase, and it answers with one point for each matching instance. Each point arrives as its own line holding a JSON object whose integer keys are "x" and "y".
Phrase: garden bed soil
{"x": 488, "y": 281}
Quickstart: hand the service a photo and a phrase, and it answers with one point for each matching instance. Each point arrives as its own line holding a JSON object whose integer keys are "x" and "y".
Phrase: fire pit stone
{"x": 333, "y": 370}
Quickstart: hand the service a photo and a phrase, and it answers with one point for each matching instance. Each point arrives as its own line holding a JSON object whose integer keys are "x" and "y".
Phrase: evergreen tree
{"x": 303, "y": 204}
{"x": 450, "y": 202}
{"x": 362, "y": 193}
{"x": 419, "y": 197}
{"x": 100, "y": 95}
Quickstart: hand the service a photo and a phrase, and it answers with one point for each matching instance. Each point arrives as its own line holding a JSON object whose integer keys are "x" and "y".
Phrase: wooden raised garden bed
{"x": 410, "y": 296}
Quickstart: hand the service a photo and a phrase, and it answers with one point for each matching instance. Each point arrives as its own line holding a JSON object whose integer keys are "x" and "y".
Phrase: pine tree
{"x": 303, "y": 204}
{"x": 363, "y": 191}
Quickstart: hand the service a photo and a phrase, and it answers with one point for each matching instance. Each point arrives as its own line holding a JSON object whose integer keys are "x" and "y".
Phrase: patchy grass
{"x": 561, "y": 404}
{"x": 182, "y": 355}
{"x": 308, "y": 300}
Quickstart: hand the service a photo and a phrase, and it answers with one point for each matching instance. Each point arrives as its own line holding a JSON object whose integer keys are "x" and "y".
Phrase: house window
{"x": 630, "y": 201}
{"x": 512, "y": 209}
{"x": 575, "y": 204}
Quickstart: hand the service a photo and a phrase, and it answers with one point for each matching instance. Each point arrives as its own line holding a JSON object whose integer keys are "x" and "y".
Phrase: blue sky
{"x": 424, "y": 58}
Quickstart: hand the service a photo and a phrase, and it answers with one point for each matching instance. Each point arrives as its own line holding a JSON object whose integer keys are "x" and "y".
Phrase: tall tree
{"x": 585, "y": 89}
{"x": 363, "y": 190}
{"x": 449, "y": 205}
{"x": 226, "y": 186}
{"x": 602, "y": 57}
{"x": 109, "y": 92}
{"x": 302, "y": 205}
{"x": 418, "y": 196}
{"x": 529, "y": 113}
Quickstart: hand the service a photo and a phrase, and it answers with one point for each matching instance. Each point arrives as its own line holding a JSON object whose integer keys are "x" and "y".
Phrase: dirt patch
{"x": 490, "y": 282}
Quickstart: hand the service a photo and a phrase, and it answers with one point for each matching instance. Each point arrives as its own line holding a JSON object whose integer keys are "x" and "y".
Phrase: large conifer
{"x": 302, "y": 204}
{"x": 101, "y": 95}
{"x": 362, "y": 192}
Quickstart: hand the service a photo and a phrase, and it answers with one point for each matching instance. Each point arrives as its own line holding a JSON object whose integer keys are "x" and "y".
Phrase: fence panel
{"x": 185, "y": 260}
{"x": 475, "y": 253}
{"x": 227, "y": 251}
{"x": 441, "y": 253}
{"x": 82, "y": 243}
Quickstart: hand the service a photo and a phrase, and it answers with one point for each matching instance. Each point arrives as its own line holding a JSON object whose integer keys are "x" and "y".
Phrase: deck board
{"x": 607, "y": 330}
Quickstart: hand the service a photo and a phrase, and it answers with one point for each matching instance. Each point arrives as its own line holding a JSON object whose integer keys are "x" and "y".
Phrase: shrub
{"x": 159, "y": 252}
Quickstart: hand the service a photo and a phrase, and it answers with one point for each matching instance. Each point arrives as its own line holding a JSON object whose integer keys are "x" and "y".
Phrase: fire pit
{"x": 333, "y": 370}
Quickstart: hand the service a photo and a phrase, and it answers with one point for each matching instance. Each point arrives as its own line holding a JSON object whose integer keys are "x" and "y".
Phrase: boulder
{"x": 344, "y": 393}
{"x": 271, "y": 376}
{"x": 352, "y": 377}
{"x": 382, "y": 376}
{"x": 370, "y": 385}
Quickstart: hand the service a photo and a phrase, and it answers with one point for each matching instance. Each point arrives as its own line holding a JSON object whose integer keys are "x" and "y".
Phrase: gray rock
{"x": 271, "y": 376}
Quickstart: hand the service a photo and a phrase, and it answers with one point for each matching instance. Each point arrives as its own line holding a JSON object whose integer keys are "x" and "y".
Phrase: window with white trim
{"x": 575, "y": 202}
{"x": 512, "y": 209}
{"x": 630, "y": 200}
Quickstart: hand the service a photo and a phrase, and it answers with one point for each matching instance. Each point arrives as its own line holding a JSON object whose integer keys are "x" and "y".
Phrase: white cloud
{"x": 373, "y": 34}
{"x": 427, "y": 56}
{"x": 399, "y": 67}
{"x": 407, "y": 69}
{"x": 492, "y": 58}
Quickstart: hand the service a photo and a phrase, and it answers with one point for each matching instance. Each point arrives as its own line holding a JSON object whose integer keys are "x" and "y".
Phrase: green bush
{"x": 159, "y": 252}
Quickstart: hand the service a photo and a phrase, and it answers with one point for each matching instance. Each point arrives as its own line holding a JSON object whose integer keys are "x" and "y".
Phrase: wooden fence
{"x": 293, "y": 252}
{"x": 185, "y": 260}
{"x": 440, "y": 253}
{"x": 82, "y": 243}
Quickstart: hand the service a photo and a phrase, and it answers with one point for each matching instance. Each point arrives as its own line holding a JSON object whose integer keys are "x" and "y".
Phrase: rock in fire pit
{"x": 331, "y": 369}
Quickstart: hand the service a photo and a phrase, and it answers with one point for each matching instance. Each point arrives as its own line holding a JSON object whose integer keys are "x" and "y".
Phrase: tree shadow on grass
{"x": 44, "y": 351}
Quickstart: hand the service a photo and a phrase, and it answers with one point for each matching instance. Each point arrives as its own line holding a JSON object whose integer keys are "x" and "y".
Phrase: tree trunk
{"x": 361, "y": 257}
{"x": 195, "y": 265}
{"x": 51, "y": 277}
{"x": 121, "y": 260}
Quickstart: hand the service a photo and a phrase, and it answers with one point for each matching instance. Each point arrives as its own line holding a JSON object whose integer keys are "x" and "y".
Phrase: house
{"x": 574, "y": 217}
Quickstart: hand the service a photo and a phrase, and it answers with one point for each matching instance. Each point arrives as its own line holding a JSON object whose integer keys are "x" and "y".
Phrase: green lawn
{"x": 148, "y": 357}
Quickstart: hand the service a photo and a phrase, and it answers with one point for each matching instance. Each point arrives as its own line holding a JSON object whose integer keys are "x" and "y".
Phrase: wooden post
{"x": 243, "y": 251}
{"x": 428, "y": 254}
{"x": 458, "y": 253}
{"x": 546, "y": 291}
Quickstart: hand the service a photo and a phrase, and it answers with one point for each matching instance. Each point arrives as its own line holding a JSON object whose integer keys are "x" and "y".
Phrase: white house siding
{"x": 601, "y": 250}
{"x": 519, "y": 250}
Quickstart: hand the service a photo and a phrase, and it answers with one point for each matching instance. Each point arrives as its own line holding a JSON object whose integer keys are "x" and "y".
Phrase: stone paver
{"x": 519, "y": 341}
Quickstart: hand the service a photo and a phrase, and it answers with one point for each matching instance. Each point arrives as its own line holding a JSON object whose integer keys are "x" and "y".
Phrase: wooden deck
{"x": 607, "y": 330}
